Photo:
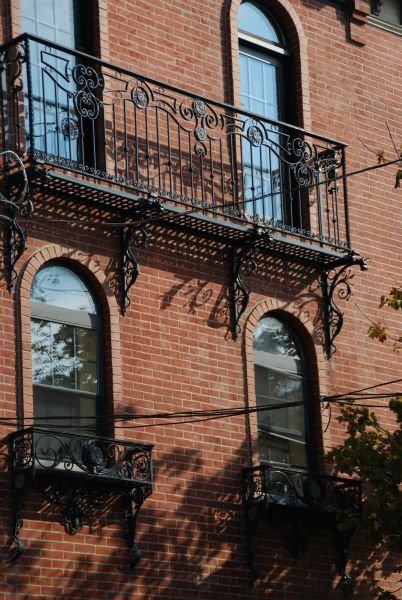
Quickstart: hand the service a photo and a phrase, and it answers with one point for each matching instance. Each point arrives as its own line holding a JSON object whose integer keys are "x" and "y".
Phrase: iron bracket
{"x": 343, "y": 538}
{"x": 242, "y": 262}
{"x": 336, "y": 283}
{"x": 17, "y": 547}
{"x": 134, "y": 500}
{"x": 131, "y": 235}
{"x": 135, "y": 234}
{"x": 252, "y": 515}
{"x": 78, "y": 504}
{"x": 14, "y": 247}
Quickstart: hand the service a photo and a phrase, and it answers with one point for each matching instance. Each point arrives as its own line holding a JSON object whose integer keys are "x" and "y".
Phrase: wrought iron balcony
{"x": 301, "y": 502}
{"x": 37, "y": 451}
{"x": 81, "y": 474}
{"x": 158, "y": 156}
{"x": 85, "y": 117}
{"x": 267, "y": 486}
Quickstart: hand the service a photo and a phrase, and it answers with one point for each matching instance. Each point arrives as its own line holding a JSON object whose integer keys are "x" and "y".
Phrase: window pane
{"x": 76, "y": 411}
{"x": 64, "y": 356}
{"x": 86, "y": 359}
{"x": 279, "y": 380}
{"x": 272, "y": 336}
{"x": 58, "y": 286}
{"x": 252, "y": 20}
{"x": 390, "y": 10}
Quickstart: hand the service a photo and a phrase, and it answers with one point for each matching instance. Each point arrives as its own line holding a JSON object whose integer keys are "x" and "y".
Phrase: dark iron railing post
{"x": 29, "y": 95}
{"x": 345, "y": 200}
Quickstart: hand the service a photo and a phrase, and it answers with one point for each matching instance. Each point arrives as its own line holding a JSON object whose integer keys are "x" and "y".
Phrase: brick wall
{"x": 173, "y": 350}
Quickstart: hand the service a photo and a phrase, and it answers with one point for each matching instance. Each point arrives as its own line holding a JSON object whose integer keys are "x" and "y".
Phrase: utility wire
{"x": 366, "y": 389}
{"x": 186, "y": 417}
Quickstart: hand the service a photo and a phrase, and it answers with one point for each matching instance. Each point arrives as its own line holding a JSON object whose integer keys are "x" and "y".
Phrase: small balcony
{"x": 302, "y": 504}
{"x": 45, "y": 452}
{"x": 112, "y": 139}
{"x": 82, "y": 476}
{"x": 267, "y": 486}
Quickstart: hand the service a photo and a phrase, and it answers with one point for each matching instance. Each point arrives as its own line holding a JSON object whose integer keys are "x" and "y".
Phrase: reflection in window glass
{"x": 58, "y": 286}
{"x": 390, "y": 10}
{"x": 253, "y": 21}
{"x": 63, "y": 356}
{"x": 279, "y": 379}
{"x": 65, "y": 332}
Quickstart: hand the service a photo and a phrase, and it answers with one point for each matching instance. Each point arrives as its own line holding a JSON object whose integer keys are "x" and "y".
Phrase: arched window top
{"x": 253, "y": 21}
{"x": 58, "y": 286}
{"x": 272, "y": 336}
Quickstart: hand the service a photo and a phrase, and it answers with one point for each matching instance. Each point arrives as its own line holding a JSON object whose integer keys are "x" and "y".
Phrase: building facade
{"x": 182, "y": 228}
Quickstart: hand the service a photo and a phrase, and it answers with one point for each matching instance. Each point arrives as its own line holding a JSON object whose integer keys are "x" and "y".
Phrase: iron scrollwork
{"x": 292, "y": 499}
{"x": 243, "y": 262}
{"x": 134, "y": 500}
{"x": 16, "y": 204}
{"x": 336, "y": 284}
{"x": 129, "y": 266}
{"x": 73, "y": 472}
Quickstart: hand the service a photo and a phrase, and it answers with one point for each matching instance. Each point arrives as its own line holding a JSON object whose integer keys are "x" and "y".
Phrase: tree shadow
{"x": 192, "y": 537}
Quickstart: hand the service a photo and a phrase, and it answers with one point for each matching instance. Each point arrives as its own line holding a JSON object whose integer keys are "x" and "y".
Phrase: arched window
{"x": 66, "y": 331}
{"x": 263, "y": 58}
{"x": 280, "y": 379}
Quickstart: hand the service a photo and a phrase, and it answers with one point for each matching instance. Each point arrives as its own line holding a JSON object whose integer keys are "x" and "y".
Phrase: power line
{"x": 358, "y": 391}
{"x": 190, "y": 417}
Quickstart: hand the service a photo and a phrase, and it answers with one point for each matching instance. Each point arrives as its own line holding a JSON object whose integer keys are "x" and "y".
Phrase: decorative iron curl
{"x": 335, "y": 284}
{"x": 140, "y": 97}
{"x": 243, "y": 261}
{"x": 85, "y": 102}
{"x": 14, "y": 59}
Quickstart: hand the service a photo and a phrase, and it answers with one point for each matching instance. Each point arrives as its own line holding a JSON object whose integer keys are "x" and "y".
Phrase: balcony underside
{"x": 223, "y": 229}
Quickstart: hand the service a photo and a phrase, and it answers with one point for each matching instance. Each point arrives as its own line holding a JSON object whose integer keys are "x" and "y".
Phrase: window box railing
{"x": 301, "y": 502}
{"x": 38, "y": 451}
{"x": 270, "y": 486}
{"x": 112, "y": 126}
{"x": 81, "y": 474}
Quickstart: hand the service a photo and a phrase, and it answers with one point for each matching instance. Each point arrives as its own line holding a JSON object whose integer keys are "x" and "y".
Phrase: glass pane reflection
{"x": 252, "y": 20}
{"x": 279, "y": 380}
{"x": 272, "y": 336}
{"x": 64, "y": 356}
{"x": 59, "y": 286}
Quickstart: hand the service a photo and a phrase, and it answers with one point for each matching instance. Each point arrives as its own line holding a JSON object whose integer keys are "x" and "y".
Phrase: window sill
{"x": 385, "y": 25}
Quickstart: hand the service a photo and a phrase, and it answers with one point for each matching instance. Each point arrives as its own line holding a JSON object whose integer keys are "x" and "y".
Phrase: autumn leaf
{"x": 379, "y": 332}
{"x": 380, "y": 154}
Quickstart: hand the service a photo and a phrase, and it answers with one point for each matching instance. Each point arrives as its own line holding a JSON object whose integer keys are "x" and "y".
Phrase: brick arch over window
{"x": 292, "y": 27}
{"x": 318, "y": 369}
{"x": 87, "y": 267}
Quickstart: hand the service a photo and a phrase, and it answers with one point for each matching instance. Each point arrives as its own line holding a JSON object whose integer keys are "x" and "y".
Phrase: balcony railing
{"x": 268, "y": 486}
{"x": 300, "y": 502}
{"x": 81, "y": 475}
{"x": 37, "y": 451}
{"x": 112, "y": 126}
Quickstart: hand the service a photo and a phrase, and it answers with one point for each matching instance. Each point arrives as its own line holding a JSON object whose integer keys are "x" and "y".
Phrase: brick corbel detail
{"x": 357, "y": 18}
